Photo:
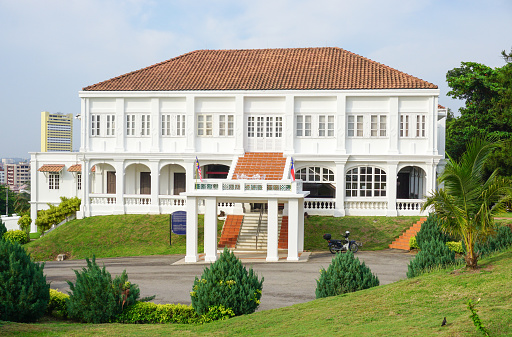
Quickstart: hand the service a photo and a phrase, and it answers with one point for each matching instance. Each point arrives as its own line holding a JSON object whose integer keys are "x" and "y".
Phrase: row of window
{"x": 314, "y": 126}
{"x": 54, "y": 181}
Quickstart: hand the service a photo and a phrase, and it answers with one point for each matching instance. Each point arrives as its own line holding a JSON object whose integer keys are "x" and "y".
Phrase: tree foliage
{"x": 469, "y": 201}
{"x": 24, "y": 292}
{"x": 487, "y": 112}
{"x": 11, "y": 197}
{"x": 55, "y": 214}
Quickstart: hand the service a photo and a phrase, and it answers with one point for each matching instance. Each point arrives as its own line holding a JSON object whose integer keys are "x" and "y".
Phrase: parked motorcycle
{"x": 342, "y": 245}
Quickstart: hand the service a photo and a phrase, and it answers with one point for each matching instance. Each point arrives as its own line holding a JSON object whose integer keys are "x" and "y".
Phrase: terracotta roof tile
{"x": 439, "y": 106}
{"x": 51, "y": 168}
{"x": 264, "y": 69}
{"x": 266, "y": 165}
{"x": 75, "y": 168}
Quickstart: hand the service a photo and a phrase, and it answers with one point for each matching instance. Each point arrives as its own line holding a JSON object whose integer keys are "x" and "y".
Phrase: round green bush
{"x": 57, "y": 305}
{"x": 345, "y": 274}
{"x": 24, "y": 293}
{"x": 455, "y": 246}
{"x": 16, "y": 236}
{"x": 229, "y": 284}
{"x": 413, "y": 244}
{"x": 434, "y": 253}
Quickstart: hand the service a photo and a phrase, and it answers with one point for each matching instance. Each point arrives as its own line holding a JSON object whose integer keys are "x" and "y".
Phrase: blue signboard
{"x": 179, "y": 222}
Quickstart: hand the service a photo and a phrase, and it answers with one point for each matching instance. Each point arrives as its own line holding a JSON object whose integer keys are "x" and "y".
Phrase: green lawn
{"x": 413, "y": 307}
{"x": 136, "y": 235}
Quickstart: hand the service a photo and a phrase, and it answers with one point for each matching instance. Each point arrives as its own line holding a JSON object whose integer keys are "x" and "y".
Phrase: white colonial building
{"x": 365, "y": 139}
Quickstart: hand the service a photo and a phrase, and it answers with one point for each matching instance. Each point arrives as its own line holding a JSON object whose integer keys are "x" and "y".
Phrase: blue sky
{"x": 51, "y": 49}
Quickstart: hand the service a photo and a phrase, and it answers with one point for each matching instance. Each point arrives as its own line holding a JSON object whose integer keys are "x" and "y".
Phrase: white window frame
{"x": 204, "y": 125}
{"x": 378, "y": 126}
{"x": 111, "y": 125}
{"x": 355, "y": 126}
{"x": 79, "y": 181}
{"x": 303, "y": 125}
{"x": 421, "y": 125}
{"x": 325, "y": 126}
{"x": 165, "y": 125}
{"x": 365, "y": 184}
{"x": 180, "y": 125}
{"x": 413, "y": 125}
{"x": 315, "y": 174}
{"x": 145, "y": 125}
{"x": 226, "y": 125}
{"x": 53, "y": 181}
{"x": 95, "y": 125}
{"x": 130, "y": 125}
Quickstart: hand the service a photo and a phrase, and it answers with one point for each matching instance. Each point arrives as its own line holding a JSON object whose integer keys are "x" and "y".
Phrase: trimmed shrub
{"x": 55, "y": 214}
{"x": 430, "y": 230}
{"x": 149, "y": 313}
{"x": 24, "y": 222}
{"x": 434, "y": 253}
{"x": 16, "y": 236}
{"x": 24, "y": 293}
{"x": 229, "y": 284}
{"x": 96, "y": 298}
{"x": 57, "y": 305}
{"x": 345, "y": 274}
{"x": 501, "y": 240}
{"x": 217, "y": 313}
{"x": 413, "y": 244}
{"x": 455, "y": 246}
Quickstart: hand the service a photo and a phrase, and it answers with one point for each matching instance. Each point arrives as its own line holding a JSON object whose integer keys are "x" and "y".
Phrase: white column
{"x": 431, "y": 177}
{"x": 210, "y": 229}
{"x": 239, "y": 124}
{"x": 289, "y": 125}
{"x": 34, "y": 195}
{"x": 190, "y": 171}
{"x": 120, "y": 125}
{"x": 300, "y": 212}
{"x": 341, "y": 119}
{"x": 83, "y": 125}
{"x": 155, "y": 125}
{"x": 340, "y": 189}
{"x": 155, "y": 185}
{"x": 119, "y": 206}
{"x": 86, "y": 185}
{"x": 394, "y": 125}
{"x": 391, "y": 188}
{"x": 190, "y": 124}
{"x": 273, "y": 231}
{"x": 293, "y": 230}
{"x": 191, "y": 239}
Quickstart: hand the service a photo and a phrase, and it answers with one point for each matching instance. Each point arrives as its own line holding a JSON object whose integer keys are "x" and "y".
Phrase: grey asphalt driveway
{"x": 285, "y": 283}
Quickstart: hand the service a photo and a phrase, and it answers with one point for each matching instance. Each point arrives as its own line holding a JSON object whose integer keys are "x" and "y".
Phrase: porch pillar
{"x": 191, "y": 239}
{"x": 391, "y": 188}
{"x": 155, "y": 186}
{"x": 86, "y": 175}
{"x": 272, "y": 231}
{"x": 293, "y": 230}
{"x": 35, "y": 192}
{"x": 340, "y": 190}
{"x": 300, "y": 212}
{"x": 210, "y": 229}
{"x": 119, "y": 205}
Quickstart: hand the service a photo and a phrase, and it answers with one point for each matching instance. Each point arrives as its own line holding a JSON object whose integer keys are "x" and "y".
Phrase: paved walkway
{"x": 285, "y": 283}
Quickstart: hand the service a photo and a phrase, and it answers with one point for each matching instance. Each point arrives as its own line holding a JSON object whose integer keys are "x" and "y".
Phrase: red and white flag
{"x": 292, "y": 171}
{"x": 198, "y": 168}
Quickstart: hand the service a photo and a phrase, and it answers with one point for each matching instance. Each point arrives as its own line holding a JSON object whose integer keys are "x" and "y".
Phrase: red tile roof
{"x": 439, "y": 106}
{"x": 260, "y": 165}
{"x": 264, "y": 69}
{"x": 51, "y": 168}
{"x": 75, "y": 168}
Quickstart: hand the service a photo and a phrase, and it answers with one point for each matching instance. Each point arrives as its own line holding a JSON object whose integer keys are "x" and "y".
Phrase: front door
{"x": 111, "y": 182}
{"x": 145, "y": 183}
{"x": 179, "y": 183}
{"x": 264, "y": 133}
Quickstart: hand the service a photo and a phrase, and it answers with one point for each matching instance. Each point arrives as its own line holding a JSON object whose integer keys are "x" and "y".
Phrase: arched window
{"x": 315, "y": 174}
{"x": 365, "y": 181}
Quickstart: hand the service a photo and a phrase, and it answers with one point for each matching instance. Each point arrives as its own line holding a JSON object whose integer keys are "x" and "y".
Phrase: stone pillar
{"x": 34, "y": 193}
{"x": 293, "y": 230}
{"x": 391, "y": 188}
{"x": 155, "y": 186}
{"x": 191, "y": 249}
{"x": 341, "y": 121}
{"x": 300, "y": 212}
{"x": 210, "y": 229}
{"x": 86, "y": 185}
{"x": 340, "y": 189}
{"x": 394, "y": 126}
{"x": 119, "y": 206}
{"x": 273, "y": 231}
{"x": 120, "y": 125}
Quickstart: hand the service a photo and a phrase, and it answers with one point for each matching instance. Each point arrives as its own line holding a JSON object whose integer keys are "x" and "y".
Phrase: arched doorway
{"x": 172, "y": 179}
{"x": 410, "y": 183}
{"x": 137, "y": 179}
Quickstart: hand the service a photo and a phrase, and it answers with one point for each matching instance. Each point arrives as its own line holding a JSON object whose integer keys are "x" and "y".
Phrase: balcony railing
{"x": 263, "y": 186}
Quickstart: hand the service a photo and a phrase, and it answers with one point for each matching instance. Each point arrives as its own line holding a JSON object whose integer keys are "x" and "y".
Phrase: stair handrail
{"x": 259, "y": 225}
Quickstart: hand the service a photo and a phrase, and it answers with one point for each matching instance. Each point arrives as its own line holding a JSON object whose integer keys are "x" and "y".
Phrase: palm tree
{"x": 468, "y": 202}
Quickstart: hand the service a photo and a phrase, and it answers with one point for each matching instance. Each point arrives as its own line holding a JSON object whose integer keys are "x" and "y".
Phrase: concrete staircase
{"x": 230, "y": 231}
{"x": 249, "y": 239}
{"x": 403, "y": 240}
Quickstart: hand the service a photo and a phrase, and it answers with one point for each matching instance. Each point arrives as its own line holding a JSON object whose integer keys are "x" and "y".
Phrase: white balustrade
{"x": 252, "y": 185}
{"x": 102, "y": 199}
{"x": 171, "y": 200}
{"x": 319, "y": 206}
{"x": 366, "y": 205}
{"x": 409, "y": 206}
{"x": 137, "y": 200}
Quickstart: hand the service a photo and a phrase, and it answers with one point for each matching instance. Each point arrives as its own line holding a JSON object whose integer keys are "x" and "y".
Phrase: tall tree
{"x": 488, "y": 111}
{"x": 4, "y": 192}
{"x": 468, "y": 201}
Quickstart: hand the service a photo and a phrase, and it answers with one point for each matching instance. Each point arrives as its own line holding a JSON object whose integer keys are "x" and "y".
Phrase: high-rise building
{"x": 56, "y": 132}
{"x": 17, "y": 174}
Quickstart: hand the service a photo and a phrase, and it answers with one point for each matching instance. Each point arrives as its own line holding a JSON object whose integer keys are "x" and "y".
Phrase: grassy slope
{"x": 111, "y": 236}
{"x": 412, "y": 307}
{"x": 135, "y": 235}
